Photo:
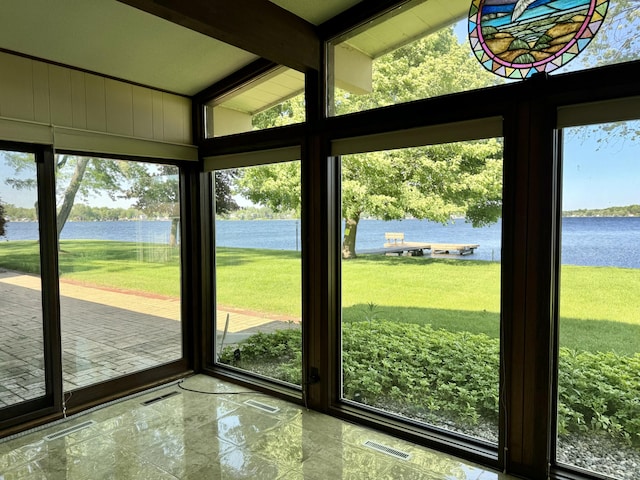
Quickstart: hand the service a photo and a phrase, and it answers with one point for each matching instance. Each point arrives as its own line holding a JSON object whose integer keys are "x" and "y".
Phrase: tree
{"x": 157, "y": 191}
{"x": 433, "y": 182}
{"x": 75, "y": 176}
{"x": 3, "y": 220}
{"x": 223, "y": 193}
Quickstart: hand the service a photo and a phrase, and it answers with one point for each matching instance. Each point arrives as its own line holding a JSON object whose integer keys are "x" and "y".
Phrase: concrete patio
{"x": 106, "y": 333}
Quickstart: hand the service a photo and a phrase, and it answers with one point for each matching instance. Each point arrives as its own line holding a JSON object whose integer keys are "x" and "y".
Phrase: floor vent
{"x": 261, "y": 406}
{"x": 387, "y": 450}
{"x": 161, "y": 397}
{"x": 70, "y": 430}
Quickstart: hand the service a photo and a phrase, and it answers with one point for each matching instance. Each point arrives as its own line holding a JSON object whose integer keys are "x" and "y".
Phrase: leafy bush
{"x": 599, "y": 392}
{"x": 421, "y": 370}
{"x": 437, "y": 375}
{"x": 277, "y": 354}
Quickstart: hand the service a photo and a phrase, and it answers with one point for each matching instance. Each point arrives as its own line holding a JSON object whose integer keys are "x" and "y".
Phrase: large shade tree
{"x": 434, "y": 182}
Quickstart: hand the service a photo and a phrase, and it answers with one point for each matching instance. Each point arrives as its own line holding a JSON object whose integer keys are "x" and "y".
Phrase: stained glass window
{"x": 515, "y": 39}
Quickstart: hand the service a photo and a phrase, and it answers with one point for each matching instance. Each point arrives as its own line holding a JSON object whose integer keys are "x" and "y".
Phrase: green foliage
{"x": 3, "y": 220}
{"x": 438, "y": 375}
{"x": 156, "y": 191}
{"x": 624, "y": 211}
{"x": 419, "y": 371}
{"x": 277, "y": 354}
{"x": 260, "y": 213}
{"x": 599, "y": 392}
{"x": 20, "y": 213}
{"x": 276, "y": 186}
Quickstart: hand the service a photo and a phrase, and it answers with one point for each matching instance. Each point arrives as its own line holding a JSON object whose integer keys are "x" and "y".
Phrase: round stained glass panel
{"x": 515, "y": 39}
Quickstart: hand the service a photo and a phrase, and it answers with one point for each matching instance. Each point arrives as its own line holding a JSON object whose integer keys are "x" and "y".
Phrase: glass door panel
{"x": 258, "y": 270}
{"x": 119, "y": 262}
{"x": 22, "y": 372}
{"x": 599, "y": 325}
{"x": 421, "y": 246}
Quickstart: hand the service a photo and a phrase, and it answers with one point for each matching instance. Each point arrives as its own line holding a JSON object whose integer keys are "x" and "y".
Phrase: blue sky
{"x": 600, "y": 174}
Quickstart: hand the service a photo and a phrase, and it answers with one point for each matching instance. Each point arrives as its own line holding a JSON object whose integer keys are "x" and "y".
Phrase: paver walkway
{"x": 106, "y": 333}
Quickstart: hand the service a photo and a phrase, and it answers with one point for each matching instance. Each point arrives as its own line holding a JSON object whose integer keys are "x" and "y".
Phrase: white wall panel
{"x": 119, "y": 104}
{"x": 78, "y": 99}
{"x": 173, "y": 118}
{"x": 60, "y": 100}
{"x": 142, "y": 112}
{"x": 96, "y": 110}
{"x": 53, "y": 96}
{"x": 158, "y": 115}
{"x": 16, "y": 87}
{"x": 41, "y": 106}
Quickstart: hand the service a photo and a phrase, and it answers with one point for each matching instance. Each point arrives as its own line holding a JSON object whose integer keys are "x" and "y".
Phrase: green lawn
{"x": 600, "y": 305}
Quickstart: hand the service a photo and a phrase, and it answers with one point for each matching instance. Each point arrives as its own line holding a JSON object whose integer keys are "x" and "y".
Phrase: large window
{"x": 119, "y": 265}
{"x": 421, "y": 249}
{"x": 599, "y": 326}
{"x": 22, "y": 370}
{"x": 258, "y": 270}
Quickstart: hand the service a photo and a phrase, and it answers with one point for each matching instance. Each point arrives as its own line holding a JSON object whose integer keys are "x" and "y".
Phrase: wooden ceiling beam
{"x": 257, "y": 26}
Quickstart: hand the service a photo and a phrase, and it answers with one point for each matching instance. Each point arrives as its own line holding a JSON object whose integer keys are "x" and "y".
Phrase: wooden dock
{"x": 395, "y": 245}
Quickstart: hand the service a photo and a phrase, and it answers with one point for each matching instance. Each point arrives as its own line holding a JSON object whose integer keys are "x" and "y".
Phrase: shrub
{"x": 277, "y": 354}
{"x": 439, "y": 375}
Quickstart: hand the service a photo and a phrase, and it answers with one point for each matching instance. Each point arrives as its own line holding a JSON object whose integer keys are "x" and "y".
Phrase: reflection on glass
{"x": 258, "y": 270}
{"x": 599, "y": 326}
{"x": 21, "y": 348}
{"x": 119, "y": 263}
{"x": 421, "y": 285}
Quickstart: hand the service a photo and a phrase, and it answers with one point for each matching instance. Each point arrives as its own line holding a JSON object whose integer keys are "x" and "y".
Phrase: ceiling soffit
{"x": 407, "y": 25}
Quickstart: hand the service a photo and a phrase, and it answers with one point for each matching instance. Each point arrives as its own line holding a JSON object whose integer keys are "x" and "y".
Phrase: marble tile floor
{"x": 189, "y": 435}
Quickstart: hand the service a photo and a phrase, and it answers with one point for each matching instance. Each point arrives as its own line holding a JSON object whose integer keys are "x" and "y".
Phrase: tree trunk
{"x": 70, "y": 193}
{"x": 173, "y": 234}
{"x": 349, "y": 239}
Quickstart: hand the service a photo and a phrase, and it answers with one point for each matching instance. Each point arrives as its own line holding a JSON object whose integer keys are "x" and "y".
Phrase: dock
{"x": 395, "y": 245}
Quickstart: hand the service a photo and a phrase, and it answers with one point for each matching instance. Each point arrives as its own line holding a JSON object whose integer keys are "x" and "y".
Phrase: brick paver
{"x": 105, "y": 334}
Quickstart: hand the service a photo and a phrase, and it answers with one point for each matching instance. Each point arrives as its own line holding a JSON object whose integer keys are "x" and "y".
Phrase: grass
{"x": 600, "y": 305}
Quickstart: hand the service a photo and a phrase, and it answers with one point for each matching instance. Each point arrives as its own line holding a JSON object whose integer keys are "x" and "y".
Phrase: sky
{"x": 600, "y": 174}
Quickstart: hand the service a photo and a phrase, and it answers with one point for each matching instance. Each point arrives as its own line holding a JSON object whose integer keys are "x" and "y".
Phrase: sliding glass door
{"x": 22, "y": 359}
{"x": 118, "y": 225}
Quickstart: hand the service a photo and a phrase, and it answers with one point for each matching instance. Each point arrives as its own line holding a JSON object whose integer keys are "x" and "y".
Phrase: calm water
{"x": 585, "y": 241}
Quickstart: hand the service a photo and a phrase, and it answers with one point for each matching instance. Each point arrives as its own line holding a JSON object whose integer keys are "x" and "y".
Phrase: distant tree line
{"x": 259, "y": 213}
{"x": 79, "y": 213}
{"x": 626, "y": 211}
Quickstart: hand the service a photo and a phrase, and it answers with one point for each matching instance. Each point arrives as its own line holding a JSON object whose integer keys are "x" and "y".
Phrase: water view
{"x": 588, "y": 241}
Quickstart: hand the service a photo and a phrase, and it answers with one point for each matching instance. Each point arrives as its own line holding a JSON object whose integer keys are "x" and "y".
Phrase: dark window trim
{"x": 525, "y": 449}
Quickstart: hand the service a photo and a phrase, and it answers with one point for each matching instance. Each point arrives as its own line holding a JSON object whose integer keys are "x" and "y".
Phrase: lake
{"x": 593, "y": 241}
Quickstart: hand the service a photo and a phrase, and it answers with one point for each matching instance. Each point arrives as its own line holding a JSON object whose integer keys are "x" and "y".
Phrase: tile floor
{"x": 196, "y": 436}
